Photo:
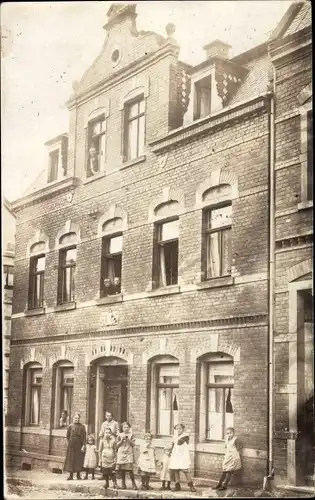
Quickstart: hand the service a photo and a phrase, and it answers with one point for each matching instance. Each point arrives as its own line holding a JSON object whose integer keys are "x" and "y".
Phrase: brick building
{"x": 8, "y": 241}
{"x": 144, "y": 251}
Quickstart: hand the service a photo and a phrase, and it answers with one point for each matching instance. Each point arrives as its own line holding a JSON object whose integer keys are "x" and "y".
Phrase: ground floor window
{"x": 32, "y": 393}
{"x": 163, "y": 383}
{"x": 216, "y": 411}
{"x": 64, "y": 382}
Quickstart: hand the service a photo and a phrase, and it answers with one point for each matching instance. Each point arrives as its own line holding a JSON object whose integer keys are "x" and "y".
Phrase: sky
{"x": 45, "y": 46}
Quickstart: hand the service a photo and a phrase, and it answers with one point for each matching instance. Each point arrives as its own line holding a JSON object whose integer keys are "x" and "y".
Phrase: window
{"x": 64, "y": 379}
{"x": 111, "y": 265}
{"x": 8, "y": 272}
{"x": 33, "y": 394}
{"x": 217, "y": 241}
{"x": 216, "y": 395}
{"x": 310, "y": 154}
{"x": 67, "y": 266}
{"x": 53, "y": 165}
{"x": 134, "y": 129}
{"x": 36, "y": 283}
{"x": 167, "y": 253}
{"x": 96, "y": 146}
{"x": 202, "y": 98}
{"x": 167, "y": 398}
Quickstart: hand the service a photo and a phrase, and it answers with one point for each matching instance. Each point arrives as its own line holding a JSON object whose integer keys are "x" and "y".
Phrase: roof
{"x": 8, "y": 206}
{"x": 38, "y": 183}
{"x": 302, "y": 20}
{"x": 255, "y": 82}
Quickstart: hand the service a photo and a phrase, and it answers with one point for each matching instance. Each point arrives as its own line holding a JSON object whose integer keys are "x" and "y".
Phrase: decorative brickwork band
{"x": 162, "y": 347}
{"x": 217, "y": 179}
{"x": 168, "y": 196}
{"x": 305, "y": 94}
{"x": 113, "y": 213}
{"x": 213, "y": 344}
{"x": 38, "y": 244}
{"x": 107, "y": 349}
{"x": 69, "y": 227}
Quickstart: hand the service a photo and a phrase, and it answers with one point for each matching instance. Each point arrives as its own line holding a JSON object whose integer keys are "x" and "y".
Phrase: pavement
{"x": 43, "y": 484}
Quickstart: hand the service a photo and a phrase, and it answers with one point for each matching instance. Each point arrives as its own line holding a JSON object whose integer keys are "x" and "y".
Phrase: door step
{"x": 297, "y": 489}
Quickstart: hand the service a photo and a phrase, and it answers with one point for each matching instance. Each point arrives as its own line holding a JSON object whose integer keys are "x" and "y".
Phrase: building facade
{"x": 8, "y": 243}
{"x": 143, "y": 260}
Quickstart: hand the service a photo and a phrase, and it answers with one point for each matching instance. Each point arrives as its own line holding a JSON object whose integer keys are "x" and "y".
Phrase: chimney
{"x": 217, "y": 48}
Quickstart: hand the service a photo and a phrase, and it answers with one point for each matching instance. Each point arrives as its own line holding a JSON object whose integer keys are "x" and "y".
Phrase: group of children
{"x": 116, "y": 454}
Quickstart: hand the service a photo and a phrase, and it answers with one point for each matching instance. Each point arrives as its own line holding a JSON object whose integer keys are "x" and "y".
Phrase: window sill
{"x": 303, "y": 205}
{"x": 132, "y": 162}
{"x": 215, "y": 282}
{"x": 34, "y": 312}
{"x": 65, "y": 307}
{"x": 95, "y": 177}
{"x": 110, "y": 299}
{"x": 211, "y": 447}
{"x": 59, "y": 432}
{"x": 168, "y": 290}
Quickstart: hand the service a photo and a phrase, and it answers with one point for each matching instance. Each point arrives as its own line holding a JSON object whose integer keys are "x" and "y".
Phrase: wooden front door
{"x": 116, "y": 392}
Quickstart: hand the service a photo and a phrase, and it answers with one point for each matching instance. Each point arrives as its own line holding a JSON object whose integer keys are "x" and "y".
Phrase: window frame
{"x": 54, "y": 152}
{"x": 59, "y": 385}
{"x": 159, "y": 386}
{"x": 305, "y": 141}
{"x": 105, "y": 257}
{"x": 206, "y": 212}
{"x": 61, "y": 275}
{"x": 126, "y": 126}
{"x": 158, "y": 244}
{"x": 90, "y": 144}
{"x": 204, "y": 363}
{"x": 32, "y": 283}
{"x": 29, "y": 385}
{"x": 197, "y": 114}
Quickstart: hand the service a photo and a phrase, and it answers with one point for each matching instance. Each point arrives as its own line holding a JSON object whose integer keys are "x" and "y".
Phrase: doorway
{"x": 108, "y": 392}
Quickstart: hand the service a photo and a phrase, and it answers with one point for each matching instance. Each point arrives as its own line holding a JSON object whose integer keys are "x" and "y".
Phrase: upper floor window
{"x": 32, "y": 393}
{"x": 111, "y": 265}
{"x": 202, "y": 104}
{"x": 8, "y": 272}
{"x": 67, "y": 267}
{"x": 134, "y": 136}
{"x": 166, "y": 253}
{"x": 310, "y": 154}
{"x": 217, "y": 246}
{"x": 96, "y": 145}
{"x": 57, "y": 157}
{"x": 36, "y": 282}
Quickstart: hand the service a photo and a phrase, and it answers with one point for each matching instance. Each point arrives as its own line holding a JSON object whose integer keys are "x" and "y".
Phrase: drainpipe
{"x": 271, "y": 290}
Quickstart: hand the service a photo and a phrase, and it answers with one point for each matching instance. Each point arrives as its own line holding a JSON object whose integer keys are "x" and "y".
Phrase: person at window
{"x": 232, "y": 459}
{"x": 165, "y": 474}
{"x": 146, "y": 461}
{"x": 93, "y": 161}
{"x": 109, "y": 423}
{"x": 76, "y": 437}
{"x": 107, "y": 457}
{"x": 180, "y": 459}
{"x": 125, "y": 455}
{"x": 90, "y": 457}
{"x": 112, "y": 287}
{"x": 64, "y": 419}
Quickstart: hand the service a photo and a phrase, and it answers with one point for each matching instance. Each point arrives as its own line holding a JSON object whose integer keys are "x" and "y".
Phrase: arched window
{"x": 33, "y": 389}
{"x": 216, "y": 395}
{"x": 164, "y": 382}
{"x": 64, "y": 381}
{"x": 67, "y": 267}
{"x": 36, "y": 275}
{"x": 111, "y": 258}
{"x": 217, "y": 230}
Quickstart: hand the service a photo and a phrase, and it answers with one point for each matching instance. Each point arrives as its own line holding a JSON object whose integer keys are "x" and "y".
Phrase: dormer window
{"x": 53, "y": 165}
{"x": 57, "y": 158}
{"x": 96, "y": 146}
{"x": 202, "y": 104}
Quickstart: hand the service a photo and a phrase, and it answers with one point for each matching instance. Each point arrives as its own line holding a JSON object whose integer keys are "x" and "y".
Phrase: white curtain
{"x": 35, "y": 405}
{"x": 213, "y": 257}
{"x": 162, "y": 267}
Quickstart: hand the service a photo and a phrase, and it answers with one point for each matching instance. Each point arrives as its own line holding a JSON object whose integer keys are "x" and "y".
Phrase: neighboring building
{"x": 8, "y": 241}
{"x": 291, "y": 55}
{"x": 143, "y": 254}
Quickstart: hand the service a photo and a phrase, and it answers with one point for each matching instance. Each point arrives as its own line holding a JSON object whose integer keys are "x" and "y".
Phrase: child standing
{"x": 90, "y": 457}
{"x": 107, "y": 454}
{"x": 165, "y": 474}
{"x": 125, "y": 456}
{"x": 146, "y": 462}
{"x": 232, "y": 459}
{"x": 180, "y": 459}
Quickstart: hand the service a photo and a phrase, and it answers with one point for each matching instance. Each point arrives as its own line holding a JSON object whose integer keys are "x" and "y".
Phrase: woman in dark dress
{"x": 76, "y": 436}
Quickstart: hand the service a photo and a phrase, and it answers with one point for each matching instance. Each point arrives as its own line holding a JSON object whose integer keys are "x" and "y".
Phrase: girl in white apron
{"x": 232, "y": 459}
{"x": 180, "y": 459}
